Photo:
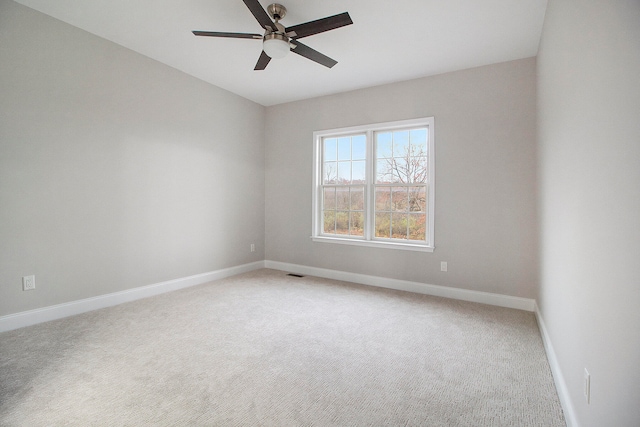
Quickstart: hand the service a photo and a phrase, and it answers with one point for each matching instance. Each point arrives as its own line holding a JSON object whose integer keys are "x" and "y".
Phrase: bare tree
{"x": 409, "y": 168}
{"x": 330, "y": 175}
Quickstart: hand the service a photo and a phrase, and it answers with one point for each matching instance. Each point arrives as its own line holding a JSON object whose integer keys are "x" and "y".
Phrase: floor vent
{"x": 295, "y": 275}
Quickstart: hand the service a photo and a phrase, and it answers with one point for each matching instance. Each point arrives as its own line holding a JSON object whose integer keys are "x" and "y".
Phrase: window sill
{"x": 374, "y": 244}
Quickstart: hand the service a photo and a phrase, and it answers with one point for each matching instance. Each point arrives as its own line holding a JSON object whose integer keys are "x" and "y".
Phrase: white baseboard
{"x": 32, "y": 317}
{"x": 558, "y": 378}
{"x": 404, "y": 285}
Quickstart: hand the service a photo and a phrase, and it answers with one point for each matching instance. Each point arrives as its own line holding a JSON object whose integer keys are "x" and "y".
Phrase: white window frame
{"x": 369, "y": 239}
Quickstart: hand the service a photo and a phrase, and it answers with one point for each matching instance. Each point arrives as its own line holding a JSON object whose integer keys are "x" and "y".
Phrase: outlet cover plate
{"x": 28, "y": 283}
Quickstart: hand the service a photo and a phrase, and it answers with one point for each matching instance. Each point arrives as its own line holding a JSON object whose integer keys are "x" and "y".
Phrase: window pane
{"x": 398, "y": 160}
{"x": 419, "y": 170}
{"x": 329, "y": 198}
{"x": 342, "y": 198}
{"x": 383, "y": 224}
{"x": 383, "y": 145}
{"x": 417, "y": 226}
{"x": 401, "y": 170}
{"x": 344, "y": 148}
{"x": 330, "y": 149}
{"x": 418, "y": 142}
{"x": 330, "y": 173}
{"x": 417, "y": 199}
{"x": 344, "y": 172}
{"x": 399, "y": 226}
{"x": 383, "y": 198}
{"x": 399, "y": 199}
{"x": 329, "y": 224}
{"x": 358, "y": 172}
{"x": 359, "y": 147}
{"x": 342, "y": 222}
{"x": 357, "y": 198}
{"x": 384, "y": 172}
{"x": 400, "y": 143}
{"x": 357, "y": 224}
{"x": 392, "y": 170}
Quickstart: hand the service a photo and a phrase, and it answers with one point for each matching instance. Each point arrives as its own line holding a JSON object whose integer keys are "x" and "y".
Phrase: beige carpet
{"x": 267, "y": 349}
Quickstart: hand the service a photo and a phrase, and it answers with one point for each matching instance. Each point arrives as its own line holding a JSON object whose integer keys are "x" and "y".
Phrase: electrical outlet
{"x": 253, "y": 247}
{"x": 587, "y": 386}
{"x": 443, "y": 266}
{"x": 28, "y": 283}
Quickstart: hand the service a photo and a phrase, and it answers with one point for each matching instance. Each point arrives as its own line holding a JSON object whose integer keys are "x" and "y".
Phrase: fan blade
{"x": 312, "y": 54}
{"x": 230, "y": 35}
{"x": 263, "y": 61}
{"x": 320, "y": 25}
{"x": 260, "y": 14}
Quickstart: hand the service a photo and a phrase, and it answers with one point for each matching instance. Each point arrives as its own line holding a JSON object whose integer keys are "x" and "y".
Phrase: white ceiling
{"x": 389, "y": 41}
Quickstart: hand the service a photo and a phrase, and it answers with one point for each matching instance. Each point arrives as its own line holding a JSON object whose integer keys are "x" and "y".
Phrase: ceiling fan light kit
{"x": 278, "y": 40}
{"x": 276, "y": 45}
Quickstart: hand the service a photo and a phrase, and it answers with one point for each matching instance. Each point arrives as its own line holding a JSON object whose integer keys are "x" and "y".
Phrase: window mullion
{"x": 318, "y": 187}
{"x": 370, "y": 188}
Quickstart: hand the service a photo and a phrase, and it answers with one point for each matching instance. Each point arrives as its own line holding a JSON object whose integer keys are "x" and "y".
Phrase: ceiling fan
{"x": 278, "y": 39}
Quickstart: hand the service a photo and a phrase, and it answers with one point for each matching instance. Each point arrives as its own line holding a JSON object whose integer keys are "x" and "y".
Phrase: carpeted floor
{"x": 267, "y": 349}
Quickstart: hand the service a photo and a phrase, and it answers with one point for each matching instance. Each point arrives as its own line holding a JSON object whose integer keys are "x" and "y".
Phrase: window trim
{"x": 368, "y": 240}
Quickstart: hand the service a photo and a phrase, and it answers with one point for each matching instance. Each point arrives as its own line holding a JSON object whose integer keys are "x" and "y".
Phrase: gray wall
{"x": 589, "y": 158}
{"x": 116, "y": 171}
{"x": 485, "y": 224}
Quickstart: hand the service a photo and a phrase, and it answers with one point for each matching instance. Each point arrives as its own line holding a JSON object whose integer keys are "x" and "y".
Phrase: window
{"x": 374, "y": 185}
